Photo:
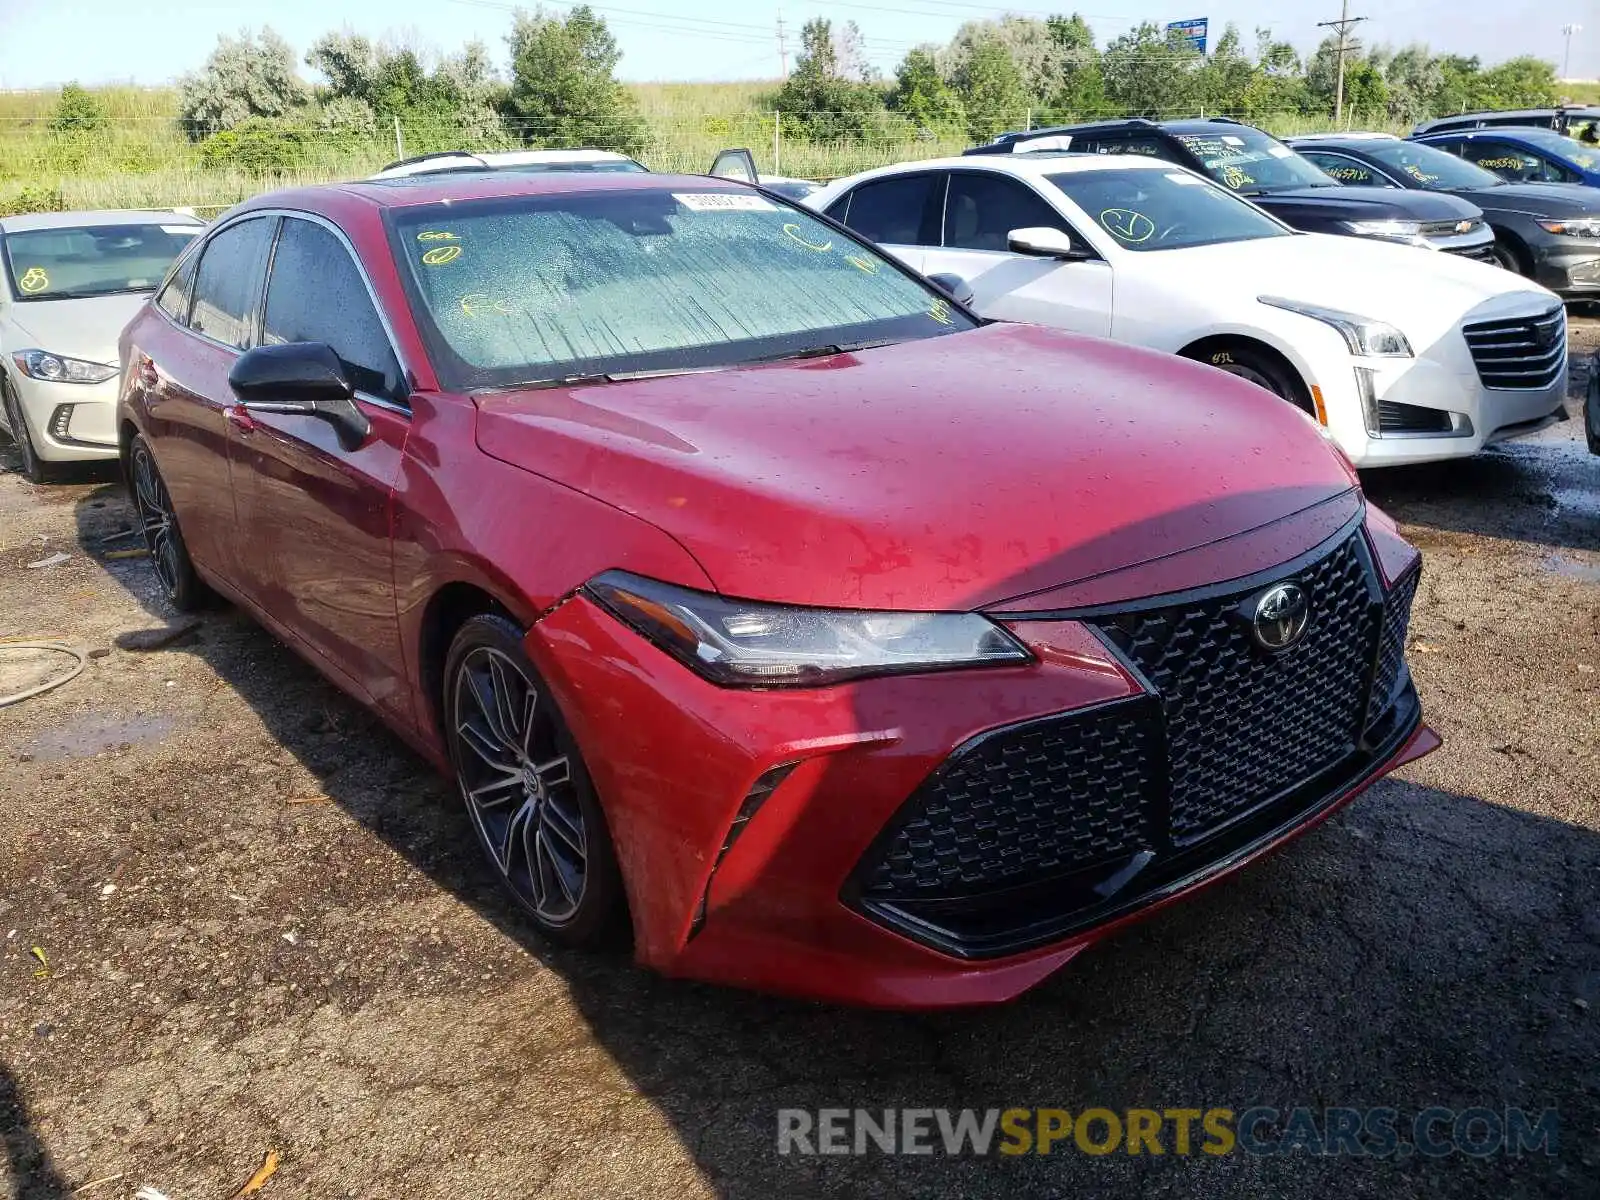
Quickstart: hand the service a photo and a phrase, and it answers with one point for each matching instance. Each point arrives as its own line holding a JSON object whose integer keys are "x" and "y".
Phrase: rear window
{"x": 541, "y": 288}
{"x": 92, "y": 260}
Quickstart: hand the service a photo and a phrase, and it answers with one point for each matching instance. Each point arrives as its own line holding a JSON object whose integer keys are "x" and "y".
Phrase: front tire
{"x": 1591, "y": 407}
{"x": 158, "y": 521}
{"x": 1506, "y": 256}
{"x": 34, "y": 467}
{"x": 1260, "y": 369}
{"x": 526, "y": 789}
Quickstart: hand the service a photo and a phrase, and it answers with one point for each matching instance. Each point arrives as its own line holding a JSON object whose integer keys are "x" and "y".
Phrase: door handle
{"x": 239, "y": 417}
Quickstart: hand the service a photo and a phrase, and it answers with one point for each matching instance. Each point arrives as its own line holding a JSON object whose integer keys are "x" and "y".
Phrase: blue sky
{"x": 46, "y": 42}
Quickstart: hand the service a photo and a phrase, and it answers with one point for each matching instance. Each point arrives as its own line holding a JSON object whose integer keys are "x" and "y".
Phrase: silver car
{"x": 69, "y": 282}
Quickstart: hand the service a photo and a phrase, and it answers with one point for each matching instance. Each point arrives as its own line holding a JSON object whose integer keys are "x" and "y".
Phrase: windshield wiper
{"x": 85, "y": 294}
{"x": 829, "y": 349}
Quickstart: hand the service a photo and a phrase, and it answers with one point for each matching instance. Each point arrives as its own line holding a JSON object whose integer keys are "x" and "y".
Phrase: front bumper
{"x": 69, "y": 422}
{"x": 749, "y": 825}
{"x": 1569, "y": 267}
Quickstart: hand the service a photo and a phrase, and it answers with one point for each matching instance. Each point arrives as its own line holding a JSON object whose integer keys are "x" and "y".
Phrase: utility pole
{"x": 1342, "y": 25}
{"x": 783, "y": 48}
{"x": 1566, "y": 55}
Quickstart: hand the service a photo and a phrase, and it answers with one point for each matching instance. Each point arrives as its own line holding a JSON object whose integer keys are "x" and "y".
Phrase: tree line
{"x": 249, "y": 107}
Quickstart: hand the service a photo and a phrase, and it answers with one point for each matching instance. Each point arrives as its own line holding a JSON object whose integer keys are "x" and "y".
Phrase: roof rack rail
{"x": 422, "y": 158}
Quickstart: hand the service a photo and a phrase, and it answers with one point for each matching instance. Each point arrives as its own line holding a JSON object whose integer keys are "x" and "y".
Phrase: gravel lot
{"x": 266, "y": 927}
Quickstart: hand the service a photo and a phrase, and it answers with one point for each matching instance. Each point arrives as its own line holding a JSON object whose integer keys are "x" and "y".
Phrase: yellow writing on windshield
{"x": 34, "y": 280}
{"x": 1127, "y": 225}
{"x": 439, "y": 255}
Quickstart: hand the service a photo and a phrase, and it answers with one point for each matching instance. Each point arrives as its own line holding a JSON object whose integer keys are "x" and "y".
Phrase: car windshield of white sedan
{"x": 76, "y": 262}
{"x": 1428, "y": 166}
{"x": 555, "y": 287}
{"x": 1164, "y": 210}
{"x": 1251, "y": 162}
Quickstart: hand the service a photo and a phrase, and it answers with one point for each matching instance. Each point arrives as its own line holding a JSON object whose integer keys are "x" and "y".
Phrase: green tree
{"x": 921, "y": 94}
{"x": 1151, "y": 73}
{"x": 260, "y": 145}
{"x": 817, "y": 99}
{"x": 992, "y": 90}
{"x": 1038, "y": 55}
{"x": 1524, "y": 82}
{"x": 77, "y": 111}
{"x": 243, "y": 77}
{"x": 1366, "y": 96}
{"x": 1222, "y": 81}
{"x": 1460, "y": 80}
{"x": 454, "y": 104}
{"x": 1080, "y": 92}
{"x": 564, "y": 89}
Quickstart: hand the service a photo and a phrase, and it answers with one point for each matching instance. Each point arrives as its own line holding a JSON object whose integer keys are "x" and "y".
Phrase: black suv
{"x": 1258, "y": 166}
{"x": 1570, "y": 120}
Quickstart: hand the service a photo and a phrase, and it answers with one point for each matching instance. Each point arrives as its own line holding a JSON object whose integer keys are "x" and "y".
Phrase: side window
{"x": 316, "y": 294}
{"x": 227, "y": 284}
{"x": 1345, "y": 170}
{"x": 1505, "y": 160}
{"x": 982, "y": 209}
{"x": 173, "y": 299}
{"x": 896, "y": 210}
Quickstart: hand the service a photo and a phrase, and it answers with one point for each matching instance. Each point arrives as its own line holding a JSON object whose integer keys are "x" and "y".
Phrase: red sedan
{"x": 760, "y": 599}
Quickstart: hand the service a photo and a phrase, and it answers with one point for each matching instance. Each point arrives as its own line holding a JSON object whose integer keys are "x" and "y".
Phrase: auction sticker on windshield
{"x": 724, "y": 202}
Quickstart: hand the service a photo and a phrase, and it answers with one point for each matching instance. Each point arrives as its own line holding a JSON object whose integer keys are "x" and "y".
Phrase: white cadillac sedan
{"x": 1402, "y": 355}
{"x": 70, "y": 282}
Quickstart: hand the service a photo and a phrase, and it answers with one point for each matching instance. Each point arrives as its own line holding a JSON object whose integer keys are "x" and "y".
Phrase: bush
{"x": 31, "y": 199}
{"x": 259, "y": 145}
{"x": 77, "y": 111}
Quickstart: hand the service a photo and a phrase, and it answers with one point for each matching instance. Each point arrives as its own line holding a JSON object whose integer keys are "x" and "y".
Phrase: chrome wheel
{"x": 517, "y": 779}
{"x": 154, "y": 507}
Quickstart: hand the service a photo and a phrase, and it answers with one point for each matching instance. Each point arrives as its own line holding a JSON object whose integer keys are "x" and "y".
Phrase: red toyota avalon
{"x": 762, "y": 601}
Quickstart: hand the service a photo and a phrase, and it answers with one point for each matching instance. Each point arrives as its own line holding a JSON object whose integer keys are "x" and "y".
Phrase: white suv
{"x": 70, "y": 282}
{"x": 1402, "y": 355}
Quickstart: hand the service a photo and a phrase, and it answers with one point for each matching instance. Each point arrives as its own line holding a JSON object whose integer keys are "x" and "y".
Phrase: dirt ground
{"x": 265, "y": 927}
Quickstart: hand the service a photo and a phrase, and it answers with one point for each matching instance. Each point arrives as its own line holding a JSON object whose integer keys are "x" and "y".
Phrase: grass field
{"x": 139, "y": 158}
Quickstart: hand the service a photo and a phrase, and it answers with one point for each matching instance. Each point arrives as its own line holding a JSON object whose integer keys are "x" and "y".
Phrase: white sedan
{"x": 1402, "y": 355}
{"x": 70, "y": 282}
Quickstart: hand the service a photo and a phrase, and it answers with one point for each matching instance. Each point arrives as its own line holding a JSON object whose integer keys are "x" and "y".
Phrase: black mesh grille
{"x": 1521, "y": 352}
{"x": 1033, "y": 800}
{"x": 1392, "y": 645}
{"x": 1394, "y": 417}
{"x": 1242, "y": 725}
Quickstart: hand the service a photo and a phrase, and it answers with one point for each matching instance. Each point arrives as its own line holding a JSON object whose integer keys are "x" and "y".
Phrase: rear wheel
{"x": 159, "y": 523}
{"x": 34, "y": 467}
{"x": 525, "y": 786}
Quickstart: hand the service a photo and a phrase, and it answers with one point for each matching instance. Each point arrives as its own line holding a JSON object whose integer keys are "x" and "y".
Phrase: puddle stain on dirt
{"x": 94, "y": 733}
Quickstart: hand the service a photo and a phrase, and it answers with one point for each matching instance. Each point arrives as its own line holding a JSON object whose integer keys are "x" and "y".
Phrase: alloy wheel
{"x": 518, "y": 783}
{"x": 156, "y": 520}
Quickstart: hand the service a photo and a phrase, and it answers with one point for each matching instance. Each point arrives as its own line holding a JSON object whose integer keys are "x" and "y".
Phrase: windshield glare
{"x": 1163, "y": 210}
{"x": 92, "y": 260}
{"x": 1430, "y": 167}
{"x": 1247, "y": 160}
{"x": 534, "y": 289}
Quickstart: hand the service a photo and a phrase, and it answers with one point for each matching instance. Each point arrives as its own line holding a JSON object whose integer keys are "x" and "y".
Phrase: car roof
{"x": 447, "y": 160}
{"x": 1341, "y": 137}
{"x": 406, "y": 191}
{"x": 102, "y": 216}
{"x": 1026, "y": 165}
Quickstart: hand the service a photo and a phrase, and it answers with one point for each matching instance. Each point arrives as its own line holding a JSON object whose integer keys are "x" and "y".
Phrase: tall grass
{"x": 139, "y": 157}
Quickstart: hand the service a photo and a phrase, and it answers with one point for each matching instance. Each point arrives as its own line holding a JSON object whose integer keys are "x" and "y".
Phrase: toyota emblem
{"x": 1281, "y": 615}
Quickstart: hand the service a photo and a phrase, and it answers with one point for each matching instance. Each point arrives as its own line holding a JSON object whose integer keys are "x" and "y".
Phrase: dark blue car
{"x": 1523, "y": 155}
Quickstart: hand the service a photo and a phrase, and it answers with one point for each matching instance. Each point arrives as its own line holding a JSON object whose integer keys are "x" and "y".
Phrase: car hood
{"x": 950, "y": 473}
{"x": 1538, "y": 199}
{"x": 1357, "y": 203}
{"x": 1423, "y": 292}
{"x": 86, "y": 329}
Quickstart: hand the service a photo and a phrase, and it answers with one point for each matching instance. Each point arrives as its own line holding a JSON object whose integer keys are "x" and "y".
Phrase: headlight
{"x": 1403, "y": 231}
{"x": 56, "y": 368}
{"x": 1580, "y": 227}
{"x": 741, "y": 643}
{"x": 1364, "y": 336}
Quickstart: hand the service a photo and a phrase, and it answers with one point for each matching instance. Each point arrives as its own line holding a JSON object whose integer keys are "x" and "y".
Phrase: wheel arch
{"x": 1517, "y": 244}
{"x": 1204, "y": 349}
{"x": 451, "y": 606}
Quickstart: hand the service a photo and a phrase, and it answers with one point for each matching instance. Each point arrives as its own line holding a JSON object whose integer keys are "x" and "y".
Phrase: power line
{"x": 1343, "y": 25}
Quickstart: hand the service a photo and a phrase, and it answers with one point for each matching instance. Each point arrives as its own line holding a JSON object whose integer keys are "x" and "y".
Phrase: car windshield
{"x": 1551, "y": 142}
{"x": 1164, "y": 210}
{"x": 1248, "y": 161}
{"x": 74, "y": 262}
{"x": 553, "y": 287}
{"x": 1428, "y": 166}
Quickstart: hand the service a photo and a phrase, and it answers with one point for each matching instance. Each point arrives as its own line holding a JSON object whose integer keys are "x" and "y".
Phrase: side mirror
{"x": 952, "y": 285}
{"x": 304, "y": 379}
{"x": 1043, "y": 242}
